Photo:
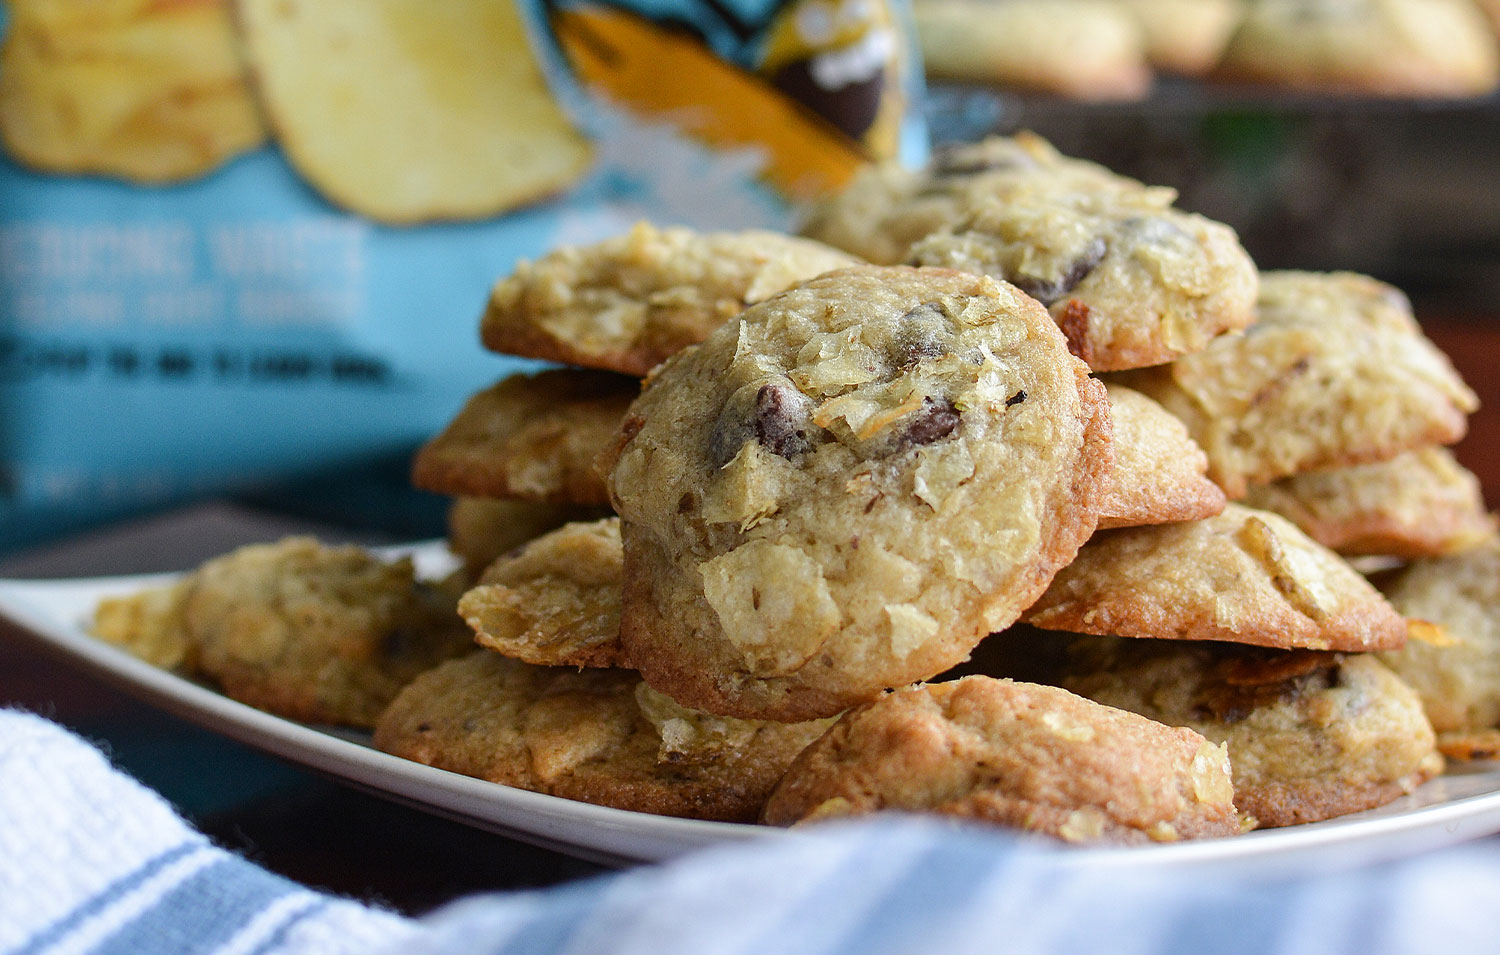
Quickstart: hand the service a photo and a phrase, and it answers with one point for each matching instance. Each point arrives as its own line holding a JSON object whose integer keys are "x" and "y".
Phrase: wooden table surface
{"x": 331, "y": 837}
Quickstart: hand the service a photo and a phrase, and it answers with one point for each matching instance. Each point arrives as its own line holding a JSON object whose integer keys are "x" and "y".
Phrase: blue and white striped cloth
{"x": 90, "y": 861}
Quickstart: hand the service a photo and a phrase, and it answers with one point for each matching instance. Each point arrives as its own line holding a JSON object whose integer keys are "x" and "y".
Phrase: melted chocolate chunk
{"x": 937, "y": 419}
{"x": 917, "y": 335}
{"x": 781, "y": 420}
{"x": 1016, "y": 398}
{"x": 1048, "y": 291}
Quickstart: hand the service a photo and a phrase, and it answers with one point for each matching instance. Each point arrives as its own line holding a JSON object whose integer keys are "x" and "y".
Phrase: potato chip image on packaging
{"x": 144, "y": 90}
{"x": 408, "y": 111}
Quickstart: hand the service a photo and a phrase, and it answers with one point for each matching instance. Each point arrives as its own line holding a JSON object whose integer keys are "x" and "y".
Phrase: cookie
{"x": 1335, "y": 372}
{"x": 1082, "y": 49}
{"x": 533, "y": 437}
{"x": 1457, "y": 673}
{"x": 480, "y": 529}
{"x": 888, "y": 206}
{"x": 555, "y": 601}
{"x": 848, "y": 488}
{"x": 1244, "y": 576}
{"x": 1186, "y": 36}
{"x": 314, "y": 633}
{"x": 1159, "y": 474}
{"x": 627, "y": 303}
{"x": 149, "y": 625}
{"x": 1310, "y": 735}
{"x": 1419, "y": 504}
{"x": 1131, "y": 280}
{"x": 1439, "y": 48}
{"x": 599, "y": 736}
{"x": 1030, "y": 757}
{"x": 1491, "y": 9}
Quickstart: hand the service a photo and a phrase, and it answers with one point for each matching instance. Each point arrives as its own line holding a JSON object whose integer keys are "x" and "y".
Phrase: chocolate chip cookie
{"x": 1310, "y": 735}
{"x": 626, "y": 303}
{"x": 555, "y": 601}
{"x": 1131, "y": 280}
{"x": 314, "y": 633}
{"x": 1244, "y": 576}
{"x": 599, "y": 736}
{"x": 1031, "y": 757}
{"x": 1419, "y": 504}
{"x": 848, "y": 488}
{"x": 530, "y": 436}
{"x": 888, "y": 206}
{"x": 1160, "y": 474}
{"x": 1369, "y": 47}
{"x": 1335, "y": 372}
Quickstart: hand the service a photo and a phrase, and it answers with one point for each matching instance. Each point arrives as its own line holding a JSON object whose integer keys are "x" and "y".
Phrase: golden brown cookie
{"x": 1457, "y": 673}
{"x": 480, "y": 529}
{"x": 530, "y": 436}
{"x": 1159, "y": 474}
{"x": 1335, "y": 372}
{"x": 1419, "y": 504}
{"x": 888, "y": 206}
{"x": 627, "y": 303}
{"x": 1131, "y": 280}
{"x": 314, "y": 633}
{"x": 1244, "y": 577}
{"x": 1186, "y": 36}
{"x": 555, "y": 601}
{"x": 599, "y": 736}
{"x": 851, "y": 486}
{"x": 1031, "y": 757}
{"x": 1310, "y": 735}
{"x": 1366, "y": 47}
{"x": 1083, "y": 49}
{"x": 149, "y": 625}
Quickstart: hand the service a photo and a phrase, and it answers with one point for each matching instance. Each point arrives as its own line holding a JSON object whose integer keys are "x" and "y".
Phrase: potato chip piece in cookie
{"x": 1030, "y": 757}
{"x": 408, "y": 111}
{"x": 556, "y": 600}
{"x": 1244, "y": 576}
{"x": 1159, "y": 474}
{"x": 1419, "y": 504}
{"x": 1335, "y": 372}
{"x": 1311, "y": 735}
{"x": 629, "y": 302}
{"x": 314, "y": 633}
{"x": 530, "y": 436}
{"x": 599, "y": 736}
{"x": 848, "y": 488}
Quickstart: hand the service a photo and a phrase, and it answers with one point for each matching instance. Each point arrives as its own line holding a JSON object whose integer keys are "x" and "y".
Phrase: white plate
{"x": 1462, "y": 805}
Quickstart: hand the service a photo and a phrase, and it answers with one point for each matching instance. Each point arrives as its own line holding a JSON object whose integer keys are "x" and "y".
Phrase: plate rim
{"x": 615, "y": 836}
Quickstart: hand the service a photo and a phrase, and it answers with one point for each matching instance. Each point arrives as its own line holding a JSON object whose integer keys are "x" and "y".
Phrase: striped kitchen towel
{"x": 90, "y": 861}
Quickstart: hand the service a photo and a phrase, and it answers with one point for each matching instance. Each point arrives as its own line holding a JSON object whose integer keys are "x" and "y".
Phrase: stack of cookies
{"x": 1014, "y": 409}
{"x": 1010, "y": 492}
{"x": 1109, "y": 49}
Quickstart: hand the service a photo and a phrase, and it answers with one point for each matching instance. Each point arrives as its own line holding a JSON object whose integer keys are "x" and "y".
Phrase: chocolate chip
{"x": 780, "y": 420}
{"x": 775, "y": 415}
{"x": 1048, "y": 291}
{"x": 918, "y": 335}
{"x": 1015, "y": 399}
{"x": 937, "y": 419}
